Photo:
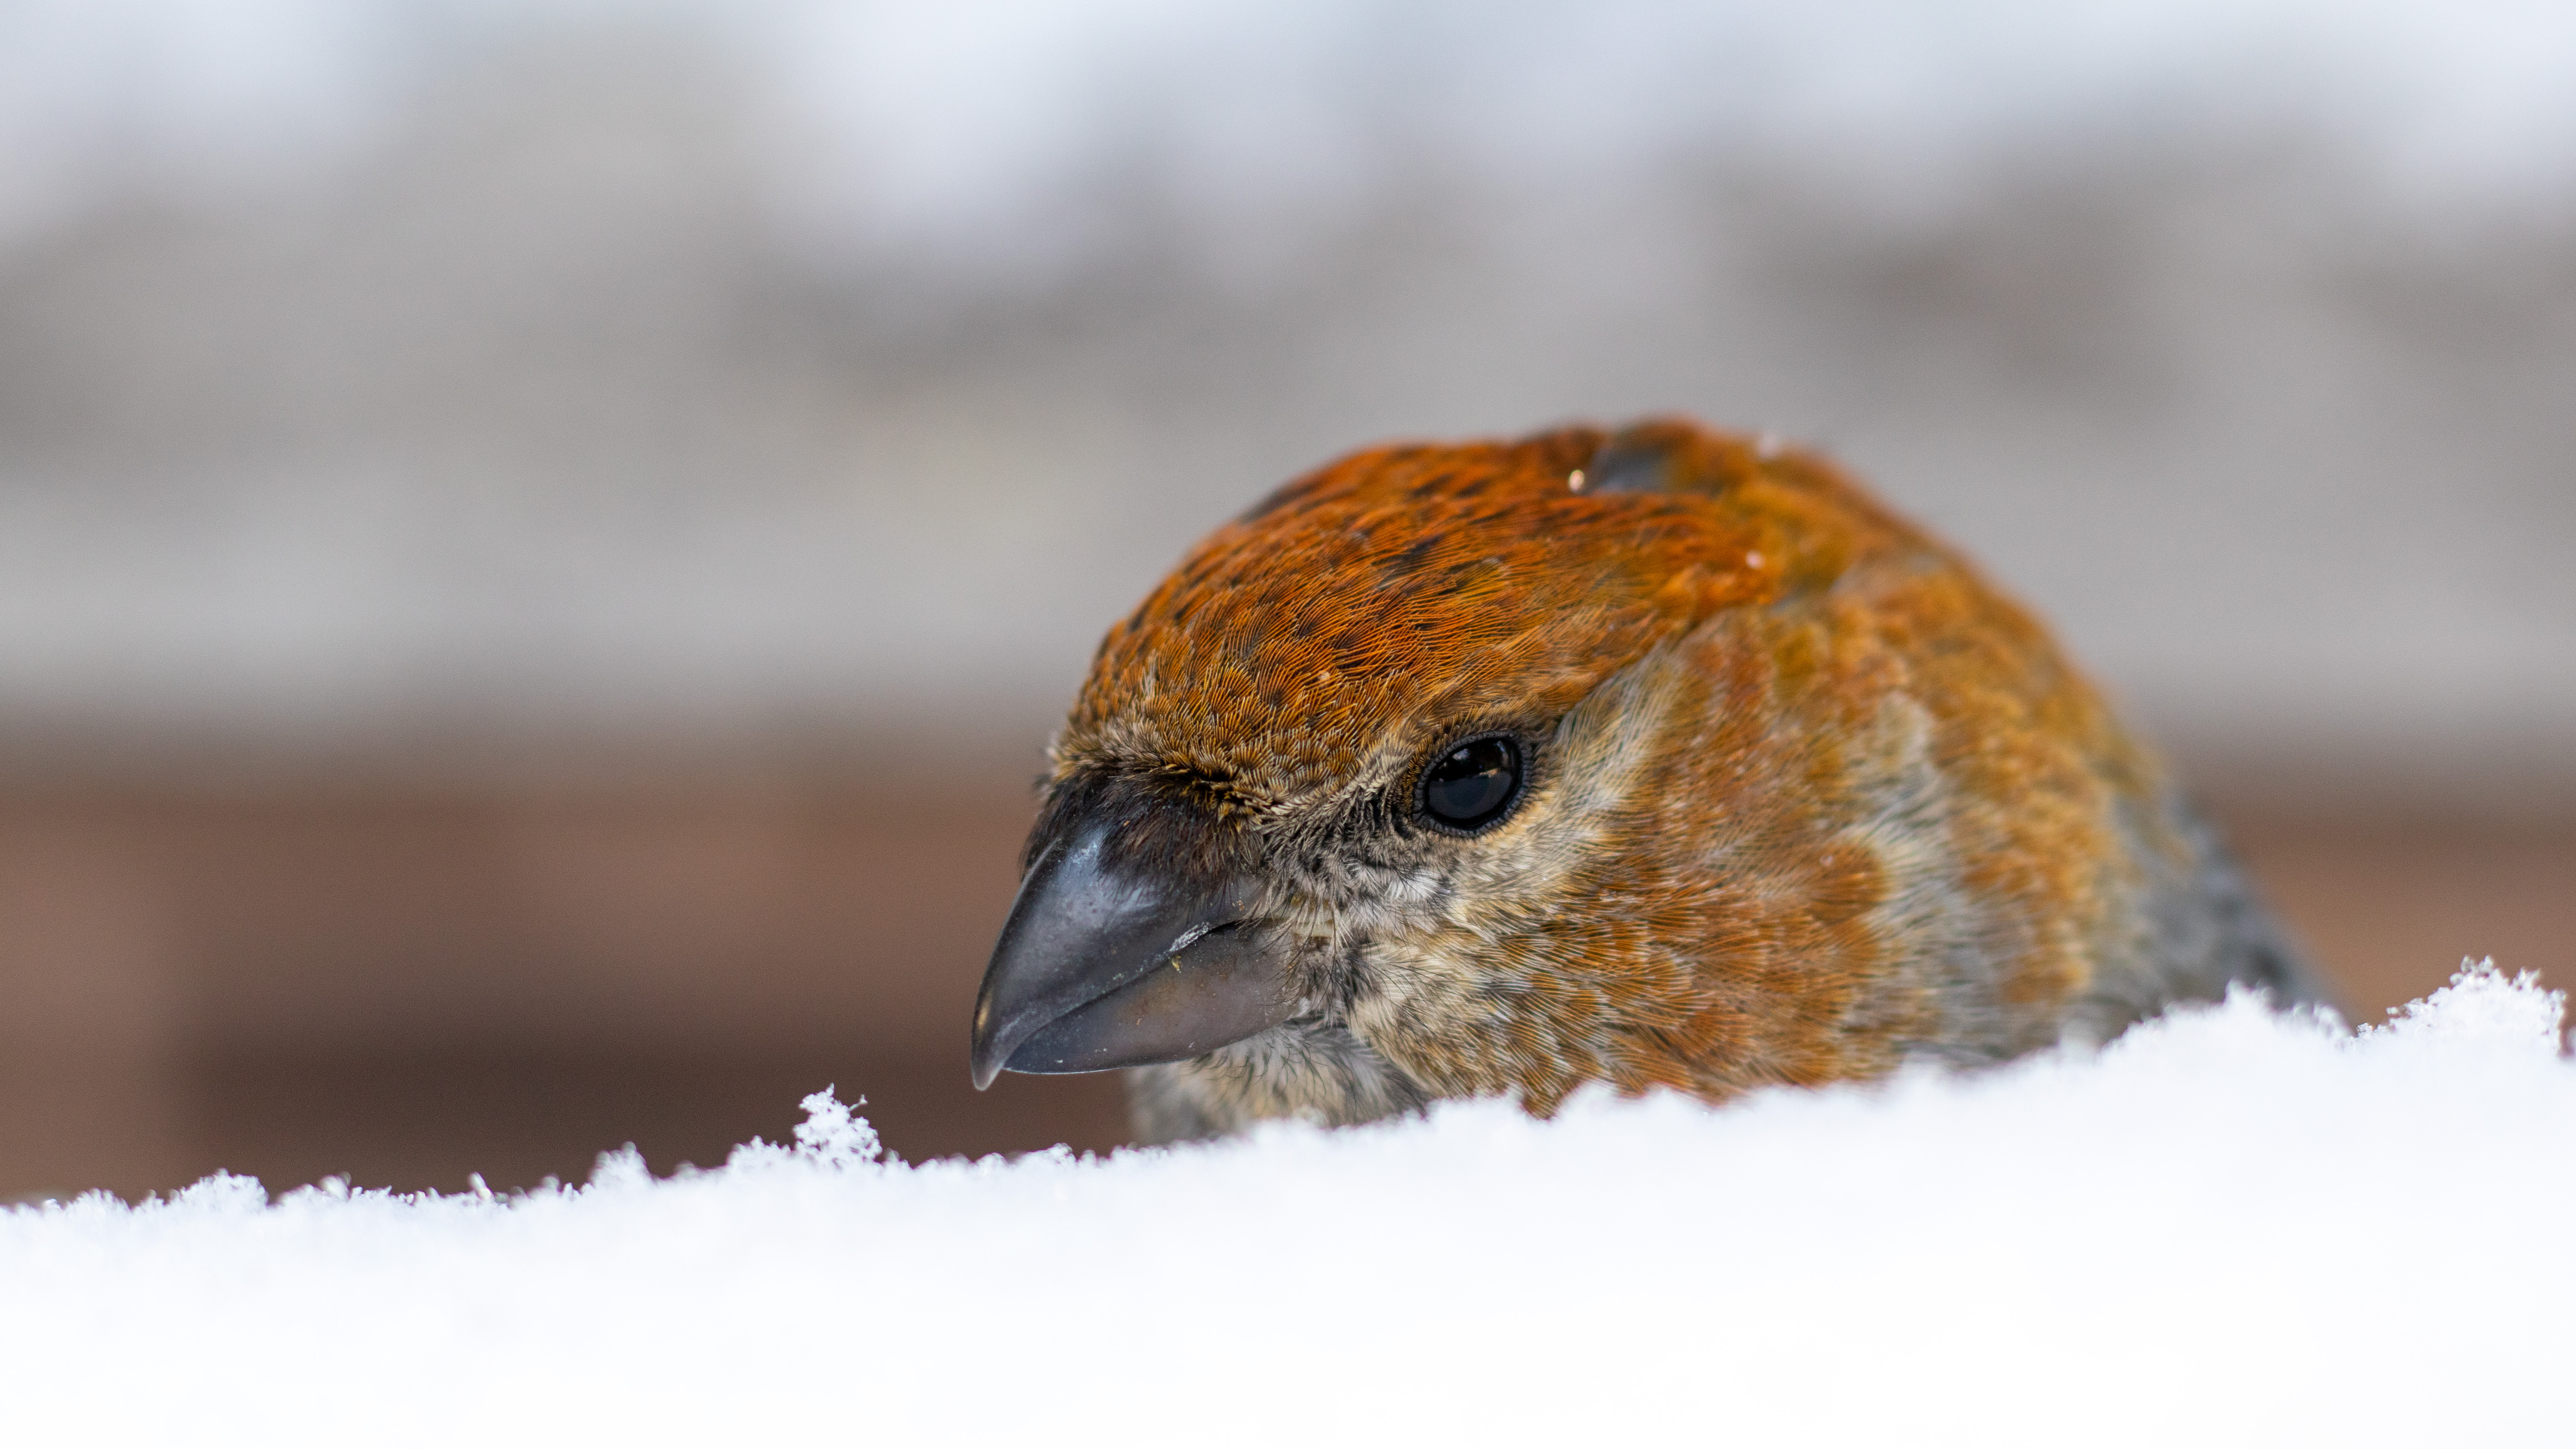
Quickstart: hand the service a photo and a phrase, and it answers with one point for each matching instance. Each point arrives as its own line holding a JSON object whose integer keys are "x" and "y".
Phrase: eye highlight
{"x": 1473, "y": 784}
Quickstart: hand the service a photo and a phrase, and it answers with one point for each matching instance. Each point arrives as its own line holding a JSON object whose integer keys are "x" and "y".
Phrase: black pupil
{"x": 1473, "y": 783}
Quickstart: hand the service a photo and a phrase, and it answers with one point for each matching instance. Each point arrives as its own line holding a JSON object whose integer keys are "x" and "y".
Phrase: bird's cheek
{"x": 1426, "y": 1010}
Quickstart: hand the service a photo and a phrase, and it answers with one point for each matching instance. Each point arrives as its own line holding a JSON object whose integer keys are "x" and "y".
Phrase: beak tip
{"x": 983, "y": 1064}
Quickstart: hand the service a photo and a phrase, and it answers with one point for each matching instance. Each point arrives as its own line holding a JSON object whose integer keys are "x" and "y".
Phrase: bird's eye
{"x": 1472, "y": 785}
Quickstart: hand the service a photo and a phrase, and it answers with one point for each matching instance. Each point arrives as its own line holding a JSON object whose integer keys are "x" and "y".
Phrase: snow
{"x": 2230, "y": 1225}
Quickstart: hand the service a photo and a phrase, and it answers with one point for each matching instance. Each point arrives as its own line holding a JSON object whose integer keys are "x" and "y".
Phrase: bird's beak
{"x": 1110, "y": 962}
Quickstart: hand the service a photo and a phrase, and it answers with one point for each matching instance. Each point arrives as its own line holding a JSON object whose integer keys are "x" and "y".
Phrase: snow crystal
{"x": 2231, "y": 1224}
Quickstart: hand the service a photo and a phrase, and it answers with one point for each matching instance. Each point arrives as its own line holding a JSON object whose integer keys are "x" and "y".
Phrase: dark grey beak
{"x": 1109, "y": 961}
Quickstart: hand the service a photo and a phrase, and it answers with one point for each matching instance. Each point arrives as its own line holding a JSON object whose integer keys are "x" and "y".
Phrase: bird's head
{"x": 1429, "y": 747}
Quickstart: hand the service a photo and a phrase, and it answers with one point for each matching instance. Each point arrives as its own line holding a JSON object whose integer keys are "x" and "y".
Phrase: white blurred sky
{"x": 943, "y": 125}
{"x": 664, "y": 366}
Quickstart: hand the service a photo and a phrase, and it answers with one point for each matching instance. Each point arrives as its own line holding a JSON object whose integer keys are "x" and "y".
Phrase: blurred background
{"x": 540, "y": 542}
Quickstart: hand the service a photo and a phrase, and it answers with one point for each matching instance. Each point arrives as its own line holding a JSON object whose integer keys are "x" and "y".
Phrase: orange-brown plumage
{"x": 1797, "y": 795}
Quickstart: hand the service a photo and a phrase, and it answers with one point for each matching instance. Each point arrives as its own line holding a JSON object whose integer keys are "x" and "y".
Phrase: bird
{"x": 1653, "y": 757}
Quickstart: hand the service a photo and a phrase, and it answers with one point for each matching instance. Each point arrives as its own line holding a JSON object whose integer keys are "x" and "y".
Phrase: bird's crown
{"x": 1494, "y": 581}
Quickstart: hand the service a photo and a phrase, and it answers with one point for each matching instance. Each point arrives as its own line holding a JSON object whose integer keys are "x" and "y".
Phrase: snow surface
{"x": 2229, "y": 1226}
